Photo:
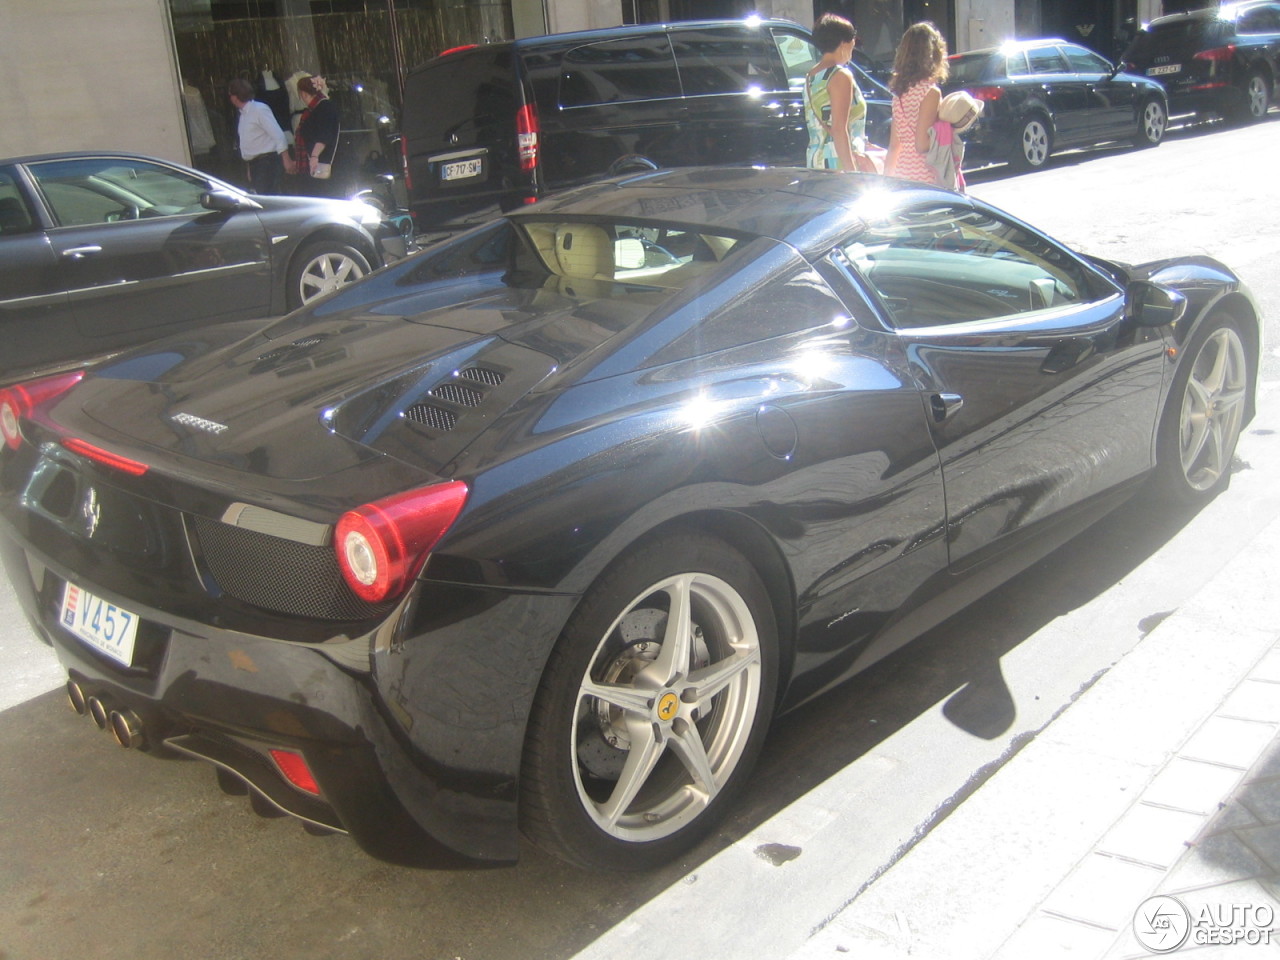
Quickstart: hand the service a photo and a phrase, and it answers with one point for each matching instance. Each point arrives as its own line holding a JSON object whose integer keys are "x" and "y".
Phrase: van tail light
{"x": 17, "y": 401}
{"x": 382, "y": 546}
{"x": 527, "y": 137}
{"x": 1217, "y": 54}
{"x": 989, "y": 94}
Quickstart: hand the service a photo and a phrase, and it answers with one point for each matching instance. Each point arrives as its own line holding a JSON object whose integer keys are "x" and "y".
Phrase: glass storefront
{"x": 362, "y": 48}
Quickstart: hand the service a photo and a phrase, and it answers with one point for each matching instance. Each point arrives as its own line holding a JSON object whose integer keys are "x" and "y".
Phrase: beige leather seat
{"x": 584, "y": 251}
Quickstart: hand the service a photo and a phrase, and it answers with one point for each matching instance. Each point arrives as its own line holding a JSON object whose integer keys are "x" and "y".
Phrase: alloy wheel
{"x": 666, "y": 707}
{"x": 1213, "y": 409}
{"x": 1258, "y": 98}
{"x": 1153, "y": 122}
{"x": 327, "y": 272}
{"x": 1035, "y": 143}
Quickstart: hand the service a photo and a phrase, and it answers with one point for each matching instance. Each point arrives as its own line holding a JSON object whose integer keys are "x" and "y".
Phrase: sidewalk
{"x": 1163, "y": 777}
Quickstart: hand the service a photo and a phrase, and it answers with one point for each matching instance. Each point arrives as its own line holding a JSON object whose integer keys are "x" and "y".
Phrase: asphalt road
{"x": 118, "y": 854}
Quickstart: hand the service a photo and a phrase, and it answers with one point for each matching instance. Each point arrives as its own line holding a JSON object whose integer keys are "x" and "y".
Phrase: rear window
{"x": 973, "y": 69}
{"x": 461, "y": 95}
{"x": 616, "y": 71}
{"x": 1178, "y": 37}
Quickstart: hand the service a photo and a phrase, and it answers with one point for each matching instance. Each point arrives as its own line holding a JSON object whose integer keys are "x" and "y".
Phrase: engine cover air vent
{"x": 430, "y": 415}
{"x": 482, "y": 375}
{"x": 458, "y": 393}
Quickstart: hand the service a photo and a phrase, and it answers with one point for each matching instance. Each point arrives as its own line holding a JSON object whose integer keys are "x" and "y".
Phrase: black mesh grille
{"x": 457, "y": 393}
{"x": 430, "y": 415}
{"x": 279, "y": 574}
{"x": 482, "y": 375}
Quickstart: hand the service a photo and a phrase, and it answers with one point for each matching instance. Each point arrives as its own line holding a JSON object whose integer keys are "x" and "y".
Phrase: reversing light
{"x": 294, "y": 767}
{"x": 381, "y": 546}
{"x": 17, "y": 401}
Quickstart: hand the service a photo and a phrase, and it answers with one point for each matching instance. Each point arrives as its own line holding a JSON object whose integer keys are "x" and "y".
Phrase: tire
{"x": 1255, "y": 102}
{"x": 641, "y": 736}
{"x": 1203, "y": 414}
{"x": 1153, "y": 120}
{"x": 320, "y": 268}
{"x": 1034, "y": 144}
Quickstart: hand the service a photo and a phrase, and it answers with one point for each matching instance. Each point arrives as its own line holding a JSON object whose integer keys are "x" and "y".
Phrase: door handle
{"x": 79, "y": 253}
{"x": 944, "y": 405}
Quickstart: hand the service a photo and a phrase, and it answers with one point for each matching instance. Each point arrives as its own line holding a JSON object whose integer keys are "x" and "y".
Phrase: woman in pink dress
{"x": 919, "y": 66}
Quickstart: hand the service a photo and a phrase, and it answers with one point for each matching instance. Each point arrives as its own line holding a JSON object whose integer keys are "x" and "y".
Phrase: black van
{"x": 488, "y": 128}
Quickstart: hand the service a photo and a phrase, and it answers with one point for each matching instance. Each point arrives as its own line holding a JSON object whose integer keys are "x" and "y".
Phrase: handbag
{"x": 321, "y": 171}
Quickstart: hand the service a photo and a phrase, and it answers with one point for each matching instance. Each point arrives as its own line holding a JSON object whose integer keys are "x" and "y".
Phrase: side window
{"x": 726, "y": 60}
{"x": 1015, "y": 65}
{"x": 113, "y": 189}
{"x": 615, "y": 71}
{"x": 15, "y": 216}
{"x": 1085, "y": 61}
{"x": 942, "y": 265}
{"x": 798, "y": 57}
{"x": 1260, "y": 20}
{"x": 1046, "y": 60}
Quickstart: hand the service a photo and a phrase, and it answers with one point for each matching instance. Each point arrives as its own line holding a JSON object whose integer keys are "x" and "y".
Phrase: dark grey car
{"x": 100, "y": 251}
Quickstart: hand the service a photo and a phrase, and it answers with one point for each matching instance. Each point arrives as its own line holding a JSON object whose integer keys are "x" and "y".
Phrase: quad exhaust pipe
{"x": 127, "y": 728}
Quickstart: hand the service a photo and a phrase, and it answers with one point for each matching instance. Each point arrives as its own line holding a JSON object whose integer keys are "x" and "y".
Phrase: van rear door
{"x": 460, "y": 137}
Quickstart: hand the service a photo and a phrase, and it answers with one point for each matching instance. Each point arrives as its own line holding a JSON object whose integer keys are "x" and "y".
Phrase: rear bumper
{"x": 418, "y": 766}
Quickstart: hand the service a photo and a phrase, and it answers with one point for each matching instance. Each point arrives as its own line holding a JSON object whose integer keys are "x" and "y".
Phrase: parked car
{"x": 1043, "y": 96}
{"x": 490, "y": 128}
{"x": 1224, "y": 60}
{"x": 100, "y": 251}
{"x": 539, "y": 528}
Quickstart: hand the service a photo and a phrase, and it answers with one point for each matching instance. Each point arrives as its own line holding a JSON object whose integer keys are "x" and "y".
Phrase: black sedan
{"x": 1043, "y": 96}
{"x": 100, "y": 251}
{"x": 538, "y": 529}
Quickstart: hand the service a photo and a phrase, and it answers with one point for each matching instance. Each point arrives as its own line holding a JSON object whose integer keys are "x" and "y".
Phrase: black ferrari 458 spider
{"x": 537, "y": 530}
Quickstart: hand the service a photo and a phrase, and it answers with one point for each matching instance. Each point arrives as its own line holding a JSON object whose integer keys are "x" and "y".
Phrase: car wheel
{"x": 322, "y": 267}
{"x": 1033, "y": 145}
{"x": 1152, "y": 122}
{"x": 1204, "y": 414}
{"x": 652, "y": 708}
{"x": 1257, "y": 98}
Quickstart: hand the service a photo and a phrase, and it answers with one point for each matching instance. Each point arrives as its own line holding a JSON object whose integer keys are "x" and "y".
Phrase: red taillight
{"x": 1218, "y": 54}
{"x": 18, "y": 400}
{"x": 381, "y": 546}
{"x": 295, "y": 769}
{"x": 104, "y": 457}
{"x": 527, "y": 137}
{"x": 989, "y": 94}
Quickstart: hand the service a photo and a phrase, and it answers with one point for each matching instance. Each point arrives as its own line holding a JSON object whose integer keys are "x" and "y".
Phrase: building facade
{"x": 150, "y": 75}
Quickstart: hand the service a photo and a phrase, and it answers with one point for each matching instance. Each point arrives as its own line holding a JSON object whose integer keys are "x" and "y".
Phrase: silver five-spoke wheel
{"x": 653, "y": 706}
{"x": 1212, "y": 409}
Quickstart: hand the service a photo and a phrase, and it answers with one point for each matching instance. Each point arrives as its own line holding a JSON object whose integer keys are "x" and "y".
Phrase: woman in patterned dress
{"x": 833, "y": 104}
{"x": 918, "y": 68}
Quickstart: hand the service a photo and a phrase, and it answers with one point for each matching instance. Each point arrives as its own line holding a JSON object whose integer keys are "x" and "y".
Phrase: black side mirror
{"x": 1154, "y": 305}
{"x": 223, "y": 201}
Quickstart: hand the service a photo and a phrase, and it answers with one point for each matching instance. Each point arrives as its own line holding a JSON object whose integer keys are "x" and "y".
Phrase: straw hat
{"x": 960, "y": 109}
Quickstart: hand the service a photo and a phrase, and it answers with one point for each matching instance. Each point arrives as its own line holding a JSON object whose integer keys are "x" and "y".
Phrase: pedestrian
{"x": 919, "y": 66}
{"x": 315, "y": 141}
{"x": 262, "y": 143}
{"x": 834, "y": 108}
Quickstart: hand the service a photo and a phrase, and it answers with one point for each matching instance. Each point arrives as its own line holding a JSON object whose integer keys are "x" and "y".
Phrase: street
{"x": 122, "y": 855}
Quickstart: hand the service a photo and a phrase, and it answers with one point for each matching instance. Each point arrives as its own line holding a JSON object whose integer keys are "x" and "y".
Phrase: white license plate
{"x": 462, "y": 169}
{"x": 102, "y": 625}
{"x": 1161, "y": 71}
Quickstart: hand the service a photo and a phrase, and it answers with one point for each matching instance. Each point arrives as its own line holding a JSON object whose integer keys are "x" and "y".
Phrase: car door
{"x": 139, "y": 254}
{"x": 1112, "y": 102}
{"x": 33, "y": 303}
{"x": 739, "y": 106}
{"x": 1067, "y": 95}
{"x": 1044, "y": 396}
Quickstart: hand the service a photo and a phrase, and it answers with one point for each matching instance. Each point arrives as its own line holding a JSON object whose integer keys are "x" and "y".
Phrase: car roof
{"x": 1014, "y": 45}
{"x": 808, "y": 209}
{"x": 1226, "y": 11}
{"x": 554, "y": 40}
{"x": 85, "y": 154}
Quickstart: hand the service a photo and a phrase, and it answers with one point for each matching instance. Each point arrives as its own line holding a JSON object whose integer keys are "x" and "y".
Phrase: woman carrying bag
{"x": 316, "y": 139}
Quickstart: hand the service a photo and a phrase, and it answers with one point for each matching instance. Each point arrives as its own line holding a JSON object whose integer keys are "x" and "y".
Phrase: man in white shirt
{"x": 262, "y": 142}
